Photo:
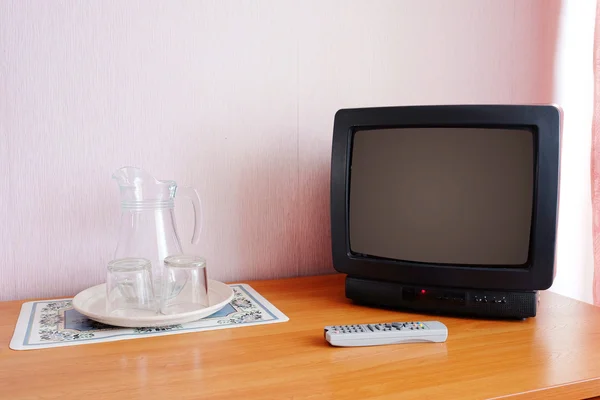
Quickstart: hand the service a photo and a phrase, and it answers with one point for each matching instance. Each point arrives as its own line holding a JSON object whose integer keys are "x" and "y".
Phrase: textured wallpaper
{"x": 234, "y": 98}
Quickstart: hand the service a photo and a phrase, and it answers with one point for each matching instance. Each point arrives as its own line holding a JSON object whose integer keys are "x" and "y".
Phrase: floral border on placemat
{"x": 157, "y": 329}
{"x": 249, "y": 311}
{"x": 52, "y": 323}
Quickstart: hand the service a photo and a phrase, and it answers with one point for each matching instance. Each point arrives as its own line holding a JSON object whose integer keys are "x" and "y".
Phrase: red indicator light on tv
{"x": 423, "y": 291}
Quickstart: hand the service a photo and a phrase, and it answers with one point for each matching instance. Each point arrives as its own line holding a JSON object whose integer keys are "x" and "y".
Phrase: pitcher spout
{"x": 130, "y": 176}
{"x": 137, "y": 185}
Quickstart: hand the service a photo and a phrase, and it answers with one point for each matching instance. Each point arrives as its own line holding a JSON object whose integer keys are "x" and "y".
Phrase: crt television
{"x": 446, "y": 209}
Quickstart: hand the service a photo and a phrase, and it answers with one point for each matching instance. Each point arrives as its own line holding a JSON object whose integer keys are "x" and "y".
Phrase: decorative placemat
{"x": 54, "y": 323}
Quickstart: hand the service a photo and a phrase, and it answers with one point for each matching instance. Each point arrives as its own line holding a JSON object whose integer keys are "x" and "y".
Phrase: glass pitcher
{"x": 148, "y": 229}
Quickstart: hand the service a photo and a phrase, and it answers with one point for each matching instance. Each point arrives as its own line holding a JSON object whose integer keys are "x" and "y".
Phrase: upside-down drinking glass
{"x": 129, "y": 291}
{"x": 185, "y": 287}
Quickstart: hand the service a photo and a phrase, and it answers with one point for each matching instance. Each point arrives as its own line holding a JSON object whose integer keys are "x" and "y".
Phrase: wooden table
{"x": 553, "y": 356}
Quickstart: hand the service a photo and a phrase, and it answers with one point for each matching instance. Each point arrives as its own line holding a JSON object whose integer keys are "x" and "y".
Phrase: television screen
{"x": 460, "y": 196}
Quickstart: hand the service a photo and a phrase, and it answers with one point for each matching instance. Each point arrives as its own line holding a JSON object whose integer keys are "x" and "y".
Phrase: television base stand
{"x": 443, "y": 300}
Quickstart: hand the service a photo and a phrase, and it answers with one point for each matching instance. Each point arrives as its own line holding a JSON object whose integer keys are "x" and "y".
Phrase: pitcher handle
{"x": 192, "y": 194}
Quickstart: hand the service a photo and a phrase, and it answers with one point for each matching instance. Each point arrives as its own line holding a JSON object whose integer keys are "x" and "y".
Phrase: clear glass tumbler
{"x": 185, "y": 286}
{"x": 129, "y": 291}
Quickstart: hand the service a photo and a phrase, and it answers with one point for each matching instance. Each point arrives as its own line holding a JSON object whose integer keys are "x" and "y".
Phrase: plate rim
{"x": 155, "y": 320}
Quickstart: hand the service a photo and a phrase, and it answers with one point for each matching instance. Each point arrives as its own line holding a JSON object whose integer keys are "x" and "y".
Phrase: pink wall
{"x": 235, "y": 98}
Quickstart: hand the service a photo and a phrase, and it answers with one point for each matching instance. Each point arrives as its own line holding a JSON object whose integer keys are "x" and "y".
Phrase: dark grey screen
{"x": 442, "y": 195}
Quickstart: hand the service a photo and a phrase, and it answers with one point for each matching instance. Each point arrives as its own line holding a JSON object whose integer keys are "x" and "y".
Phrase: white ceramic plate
{"x": 92, "y": 303}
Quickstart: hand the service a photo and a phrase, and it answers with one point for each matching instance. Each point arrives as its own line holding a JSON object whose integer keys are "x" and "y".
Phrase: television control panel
{"x": 500, "y": 304}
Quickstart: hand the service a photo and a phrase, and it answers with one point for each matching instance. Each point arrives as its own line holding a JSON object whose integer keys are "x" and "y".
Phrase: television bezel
{"x": 542, "y": 120}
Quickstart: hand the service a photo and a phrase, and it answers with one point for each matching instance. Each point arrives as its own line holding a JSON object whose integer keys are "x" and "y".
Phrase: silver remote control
{"x": 386, "y": 333}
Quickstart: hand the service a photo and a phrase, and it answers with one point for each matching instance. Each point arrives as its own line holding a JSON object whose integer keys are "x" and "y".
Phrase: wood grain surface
{"x": 553, "y": 356}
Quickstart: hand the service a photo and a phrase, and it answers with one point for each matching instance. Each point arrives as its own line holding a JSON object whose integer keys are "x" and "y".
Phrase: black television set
{"x": 446, "y": 209}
